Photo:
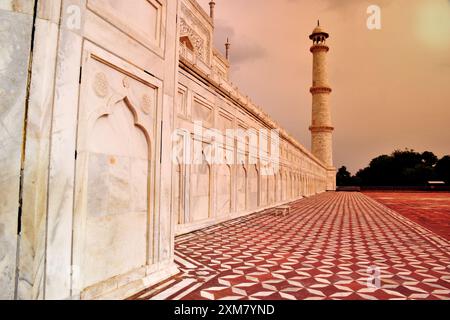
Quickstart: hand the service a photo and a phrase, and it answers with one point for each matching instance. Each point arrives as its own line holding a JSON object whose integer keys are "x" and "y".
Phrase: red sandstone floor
{"x": 324, "y": 249}
{"x": 431, "y": 210}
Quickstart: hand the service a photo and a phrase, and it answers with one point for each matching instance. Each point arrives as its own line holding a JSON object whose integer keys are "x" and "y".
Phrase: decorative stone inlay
{"x": 100, "y": 85}
{"x": 146, "y": 104}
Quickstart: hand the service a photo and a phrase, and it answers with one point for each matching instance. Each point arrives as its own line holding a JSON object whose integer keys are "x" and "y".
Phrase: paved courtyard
{"x": 431, "y": 210}
{"x": 331, "y": 246}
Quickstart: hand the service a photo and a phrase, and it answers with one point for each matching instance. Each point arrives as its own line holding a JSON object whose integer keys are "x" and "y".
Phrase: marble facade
{"x": 205, "y": 94}
{"x": 91, "y": 197}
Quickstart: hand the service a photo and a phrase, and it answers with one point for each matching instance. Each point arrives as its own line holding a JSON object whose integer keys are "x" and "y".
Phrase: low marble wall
{"x": 210, "y": 192}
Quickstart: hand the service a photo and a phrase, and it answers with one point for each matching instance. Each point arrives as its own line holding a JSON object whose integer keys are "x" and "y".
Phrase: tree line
{"x": 400, "y": 168}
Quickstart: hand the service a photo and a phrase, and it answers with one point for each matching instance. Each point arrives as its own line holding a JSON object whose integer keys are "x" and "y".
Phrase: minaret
{"x": 321, "y": 126}
{"x": 227, "y": 49}
{"x": 212, "y": 4}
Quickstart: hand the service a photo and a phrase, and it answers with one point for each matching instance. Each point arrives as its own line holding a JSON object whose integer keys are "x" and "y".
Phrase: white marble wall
{"x": 96, "y": 192}
{"x": 16, "y": 20}
{"x": 31, "y": 259}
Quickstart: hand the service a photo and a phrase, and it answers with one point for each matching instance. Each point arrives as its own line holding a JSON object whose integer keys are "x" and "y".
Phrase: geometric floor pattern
{"x": 331, "y": 246}
{"x": 431, "y": 210}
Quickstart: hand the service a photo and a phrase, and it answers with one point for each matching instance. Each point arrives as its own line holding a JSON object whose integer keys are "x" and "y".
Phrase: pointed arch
{"x": 200, "y": 189}
{"x": 223, "y": 191}
{"x": 252, "y": 187}
{"x": 241, "y": 188}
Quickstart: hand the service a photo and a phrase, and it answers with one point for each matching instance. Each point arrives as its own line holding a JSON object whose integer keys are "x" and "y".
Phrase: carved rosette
{"x": 146, "y": 104}
{"x": 100, "y": 85}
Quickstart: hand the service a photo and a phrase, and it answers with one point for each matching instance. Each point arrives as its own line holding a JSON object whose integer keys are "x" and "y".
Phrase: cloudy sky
{"x": 391, "y": 86}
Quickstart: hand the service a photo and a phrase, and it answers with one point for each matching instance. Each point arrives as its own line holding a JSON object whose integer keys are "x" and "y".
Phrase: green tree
{"x": 401, "y": 168}
{"x": 343, "y": 177}
{"x": 442, "y": 169}
{"x": 429, "y": 158}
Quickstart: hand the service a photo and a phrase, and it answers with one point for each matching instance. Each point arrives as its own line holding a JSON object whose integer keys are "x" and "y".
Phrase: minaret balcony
{"x": 321, "y": 129}
{"x": 319, "y": 47}
{"x": 319, "y": 90}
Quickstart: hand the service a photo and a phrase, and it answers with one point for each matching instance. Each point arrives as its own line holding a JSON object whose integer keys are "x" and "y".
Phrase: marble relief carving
{"x": 100, "y": 85}
{"x": 114, "y": 171}
{"x": 191, "y": 26}
{"x": 146, "y": 104}
{"x": 197, "y": 42}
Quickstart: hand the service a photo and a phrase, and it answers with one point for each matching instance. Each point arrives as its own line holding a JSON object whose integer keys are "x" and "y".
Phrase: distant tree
{"x": 401, "y": 168}
{"x": 442, "y": 169}
{"x": 343, "y": 177}
{"x": 429, "y": 158}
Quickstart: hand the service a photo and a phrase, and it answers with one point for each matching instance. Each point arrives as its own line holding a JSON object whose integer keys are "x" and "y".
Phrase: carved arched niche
{"x": 223, "y": 191}
{"x": 252, "y": 187}
{"x": 200, "y": 190}
{"x": 118, "y": 213}
{"x": 241, "y": 188}
{"x": 114, "y": 208}
{"x": 119, "y": 154}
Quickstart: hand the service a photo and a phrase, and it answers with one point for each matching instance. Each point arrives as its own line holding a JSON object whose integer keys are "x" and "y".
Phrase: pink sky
{"x": 391, "y": 86}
